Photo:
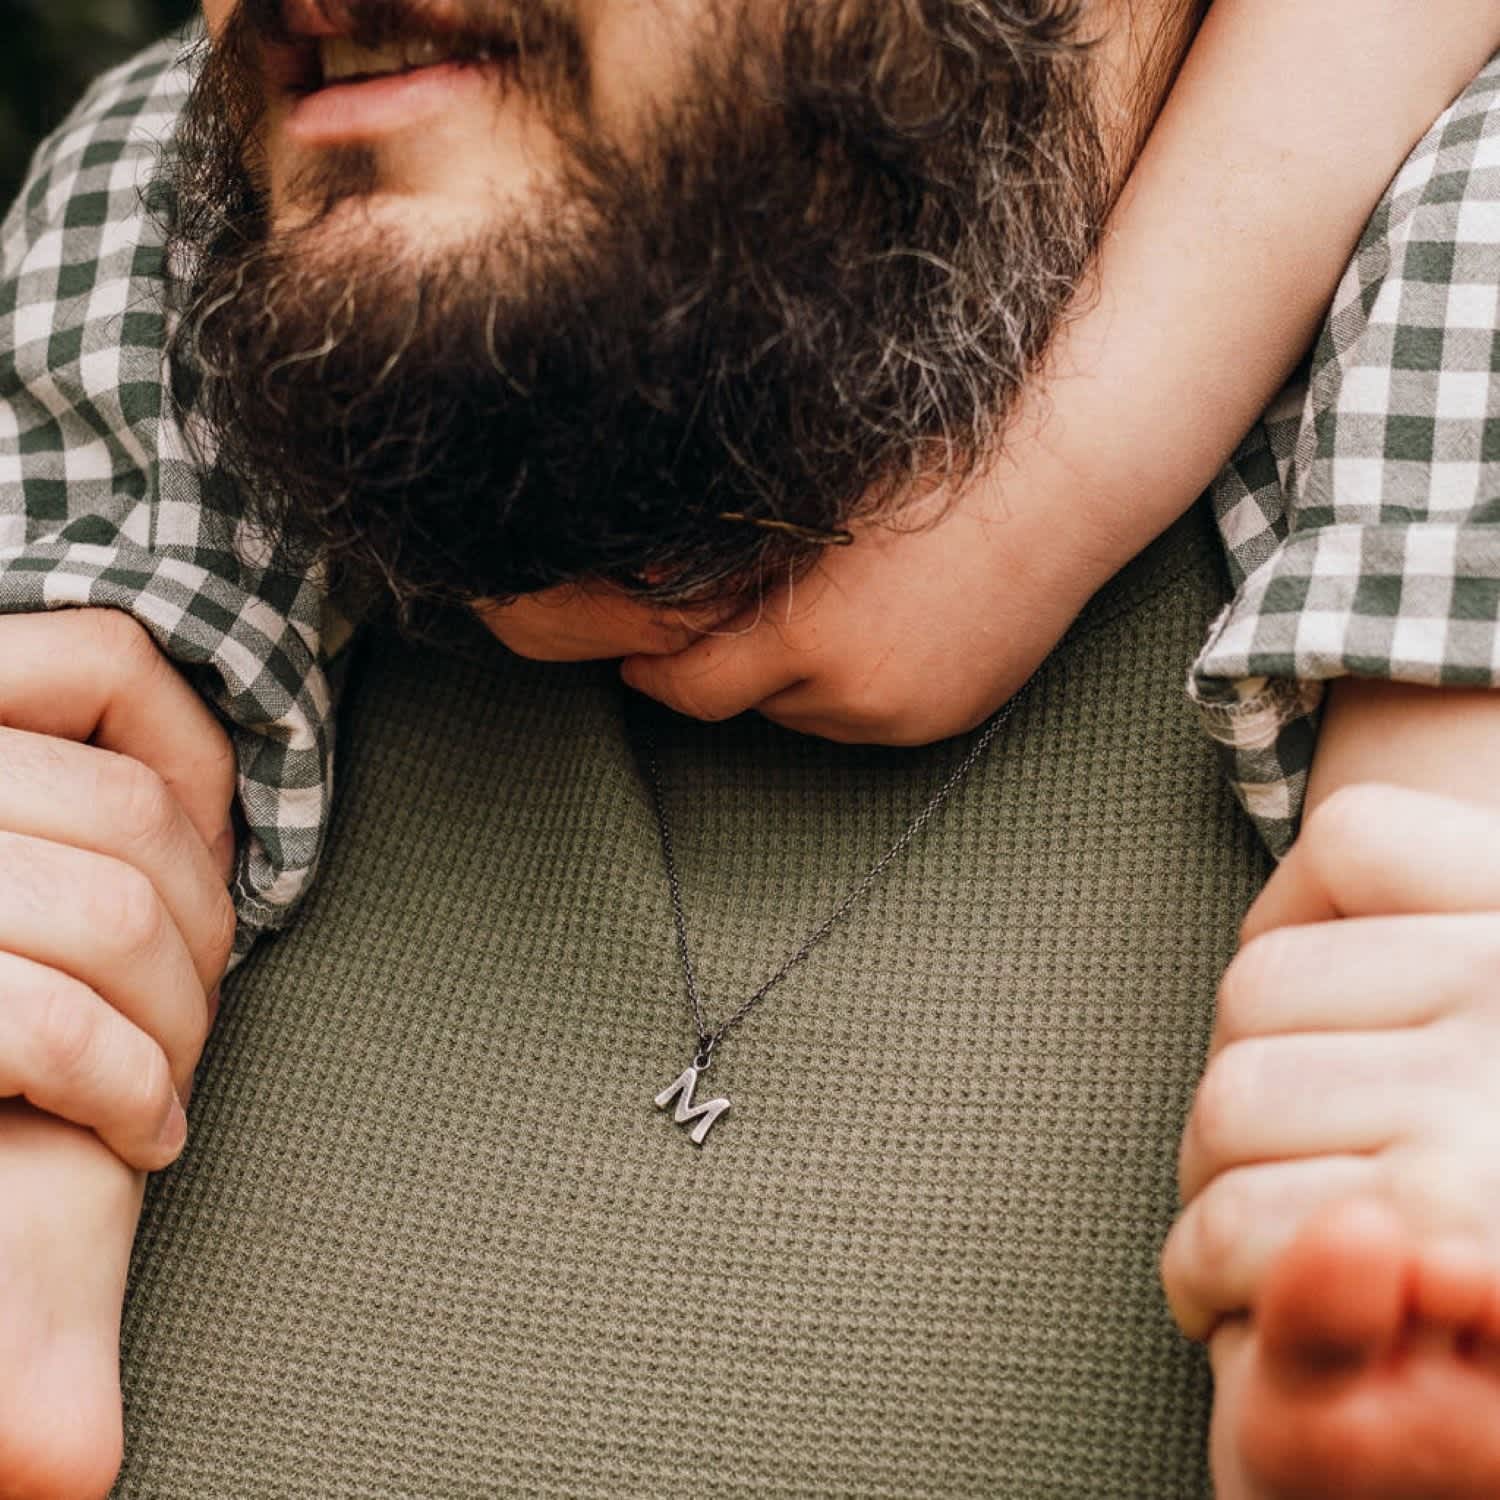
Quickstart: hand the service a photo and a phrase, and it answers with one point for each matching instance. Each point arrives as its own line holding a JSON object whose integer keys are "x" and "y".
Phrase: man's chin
{"x": 476, "y": 169}
{"x": 383, "y": 211}
{"x": 357, "y": 227}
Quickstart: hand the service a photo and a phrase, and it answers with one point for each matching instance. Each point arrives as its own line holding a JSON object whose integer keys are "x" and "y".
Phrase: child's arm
{"x": 99, "y": 503}
{"x": 116, "y": 786}
{"x": 1380, "y": 733}
{"x": 1284, "y": 126}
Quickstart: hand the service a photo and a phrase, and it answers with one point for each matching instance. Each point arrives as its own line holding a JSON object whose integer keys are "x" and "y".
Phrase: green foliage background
{"x": 50, "y": 49}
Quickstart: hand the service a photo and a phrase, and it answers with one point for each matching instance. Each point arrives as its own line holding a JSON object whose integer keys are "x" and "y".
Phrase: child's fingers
{"x": 587, "y": 622}
{"x": 73, "y": 1055}
{"x": 1315, "y": 977}
{"x": 94, "y": 674}
{"x": 1217, "y": 1254}
{"x": 1377, "y": 850}
{"x": 56, "y": 791}
{"x": 1336, "y": 1094}
{"x": 719, "y": 676}
{"x": 101, "y": 921}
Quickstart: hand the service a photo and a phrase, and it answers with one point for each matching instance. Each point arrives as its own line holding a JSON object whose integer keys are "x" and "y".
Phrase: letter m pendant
{"x": 682, "y": 1091}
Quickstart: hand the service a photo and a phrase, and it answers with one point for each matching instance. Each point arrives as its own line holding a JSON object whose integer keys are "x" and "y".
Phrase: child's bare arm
{"x": 1378, "y": 733}
{"x": 1282, "y": 130}
{"x": 1286, "y": 123}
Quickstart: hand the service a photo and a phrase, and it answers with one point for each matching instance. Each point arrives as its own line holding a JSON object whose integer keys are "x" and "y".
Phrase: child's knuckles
{"x": 120, "y": 906}
{"x": 136, "y": 1086}
{"x": 1255, "y": 973}
{"x": 221, "y": 771}
{"x": 1342, "y": 835}
{"x": 1223, "y": 1241}
{"x": 64, "y": 1021}
{"x": 133, "y": 801}
{"x": 1220, "y": 1128}
{"x": 1225, "y": 1218}
{"x": 87, "y": 1055}
{"x": 127, "y": 656}
{"x": 220, "y": 938}
{"x": 1179, "y": 1269}
{"x": 119, "y": 642}
{"x": 154, "y": 1106}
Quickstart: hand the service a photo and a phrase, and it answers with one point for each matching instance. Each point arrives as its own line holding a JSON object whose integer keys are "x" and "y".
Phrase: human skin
{"x": 1310, "y": 1043}
{"x": 1340, "y": 1240}
{"x": 65, "y": 1257}
{"x": 427, "y": 165}
{"x": 115, "y": 927}
{"x": 1346, "y": 937}
{"x": 1202, "y": 302}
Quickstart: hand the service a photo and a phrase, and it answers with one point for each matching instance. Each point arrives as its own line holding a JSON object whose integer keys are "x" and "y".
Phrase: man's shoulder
{"x": 97, "y": 166}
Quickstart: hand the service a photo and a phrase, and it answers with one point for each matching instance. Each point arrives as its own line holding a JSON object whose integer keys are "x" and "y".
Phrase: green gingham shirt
{"x": 1359, "y": 516}
{"x": 100, "y": 503}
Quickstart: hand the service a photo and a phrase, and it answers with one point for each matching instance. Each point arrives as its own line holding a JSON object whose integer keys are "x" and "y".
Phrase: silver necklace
{"x": 682, "y": 1088}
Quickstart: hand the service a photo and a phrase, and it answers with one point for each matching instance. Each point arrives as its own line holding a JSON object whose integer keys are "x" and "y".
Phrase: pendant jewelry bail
{"x": 705, "y": 1053}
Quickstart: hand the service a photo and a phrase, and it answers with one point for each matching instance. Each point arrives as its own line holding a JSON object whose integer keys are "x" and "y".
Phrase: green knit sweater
{"x": 431, "y": 1237}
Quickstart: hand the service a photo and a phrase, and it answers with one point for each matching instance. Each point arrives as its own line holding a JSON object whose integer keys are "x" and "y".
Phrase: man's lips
{"x": 329, "y": 111}
{"x": 345, "y": 113}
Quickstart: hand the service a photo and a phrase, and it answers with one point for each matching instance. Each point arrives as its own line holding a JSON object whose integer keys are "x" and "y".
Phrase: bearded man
{"x": 650, "y": 296}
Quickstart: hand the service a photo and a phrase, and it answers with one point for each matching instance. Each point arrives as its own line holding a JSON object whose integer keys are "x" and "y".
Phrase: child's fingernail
{"x": 174, "y": 1129}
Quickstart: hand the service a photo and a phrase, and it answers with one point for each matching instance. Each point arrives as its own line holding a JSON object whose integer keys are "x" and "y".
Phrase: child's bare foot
{"x": 1370, "y": 1371}
{"x": 69, "y": 1213}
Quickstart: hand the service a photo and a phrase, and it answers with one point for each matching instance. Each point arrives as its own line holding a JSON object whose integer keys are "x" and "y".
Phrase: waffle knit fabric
{"x": 431, "y": 1237}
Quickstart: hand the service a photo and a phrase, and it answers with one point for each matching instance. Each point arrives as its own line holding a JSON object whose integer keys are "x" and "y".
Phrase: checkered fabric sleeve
{"x": 1361, "y": 517}
{"x": 100, "y": 504}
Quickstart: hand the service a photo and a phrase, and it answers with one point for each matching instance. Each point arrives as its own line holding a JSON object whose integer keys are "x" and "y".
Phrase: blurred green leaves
{"x": 50, "y": 50}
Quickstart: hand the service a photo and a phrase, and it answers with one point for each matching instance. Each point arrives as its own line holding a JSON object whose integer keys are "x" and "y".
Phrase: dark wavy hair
{"x": 817, "y": 290}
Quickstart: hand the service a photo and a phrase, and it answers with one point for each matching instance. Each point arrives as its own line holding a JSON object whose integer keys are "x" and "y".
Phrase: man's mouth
{"x": 346, "y": 91}
{"x": 344, "y": 62}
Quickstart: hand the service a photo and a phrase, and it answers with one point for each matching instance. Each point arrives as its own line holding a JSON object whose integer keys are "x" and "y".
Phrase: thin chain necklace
{"x": 709, "y": 1037}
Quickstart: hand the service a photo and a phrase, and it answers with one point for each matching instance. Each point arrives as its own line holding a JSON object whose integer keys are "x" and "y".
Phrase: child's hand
{"x": 587, "y": 621}
{"x": 906, "y": 637}
{"x": 115, "y": 844}
{"x": 1355, "y": 1046}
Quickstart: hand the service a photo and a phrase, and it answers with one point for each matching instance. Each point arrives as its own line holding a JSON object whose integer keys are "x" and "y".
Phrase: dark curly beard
{"x": 817, "y": 288}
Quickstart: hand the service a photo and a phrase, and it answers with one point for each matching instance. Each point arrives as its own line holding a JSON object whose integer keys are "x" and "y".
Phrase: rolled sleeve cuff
{"x": 1406, "y": 601}
{"x": 261, "y": 671}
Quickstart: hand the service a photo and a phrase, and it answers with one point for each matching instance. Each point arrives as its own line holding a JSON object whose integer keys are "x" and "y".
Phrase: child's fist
{"x": 916, "y": 632}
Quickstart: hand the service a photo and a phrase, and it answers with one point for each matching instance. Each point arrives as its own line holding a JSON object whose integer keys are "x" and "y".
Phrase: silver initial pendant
{"x": 682, "y": 1091}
